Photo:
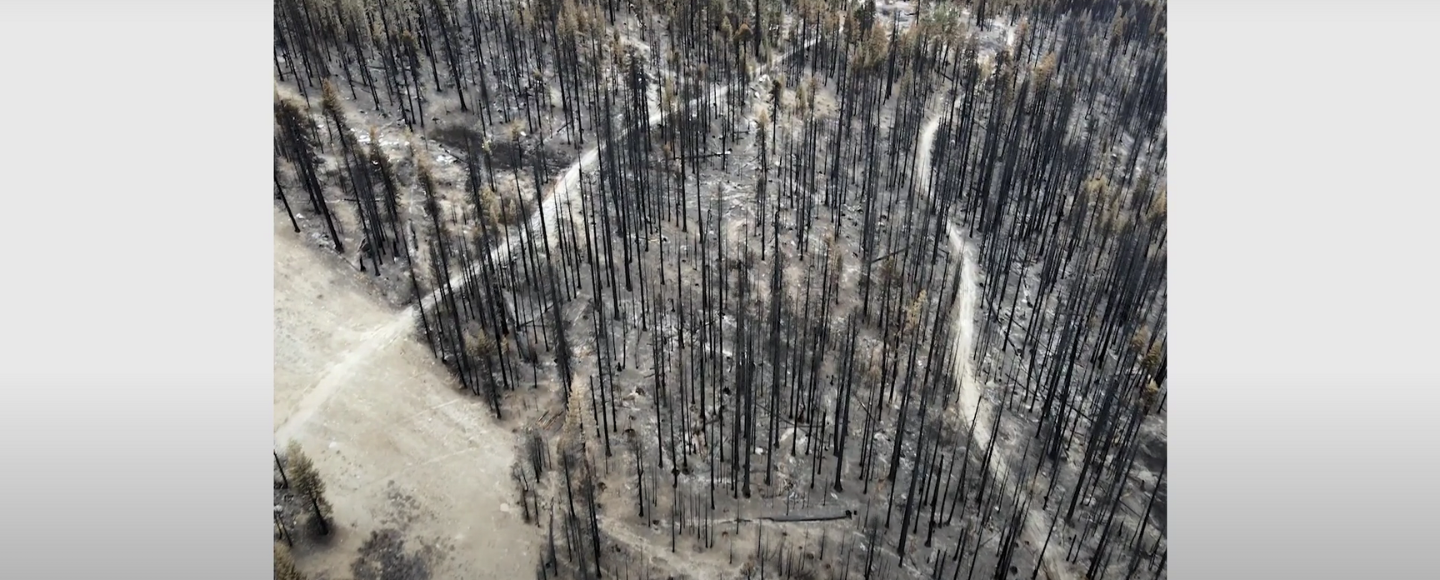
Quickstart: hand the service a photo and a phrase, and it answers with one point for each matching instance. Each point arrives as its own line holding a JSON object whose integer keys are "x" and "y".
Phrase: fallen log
{"x": 809, "y": 518}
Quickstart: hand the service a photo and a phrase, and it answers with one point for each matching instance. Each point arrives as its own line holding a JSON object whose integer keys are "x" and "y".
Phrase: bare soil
{"x": 399, "y": 447}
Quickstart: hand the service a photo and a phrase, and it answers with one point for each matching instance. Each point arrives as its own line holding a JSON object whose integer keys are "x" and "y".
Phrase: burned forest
{"x": 830, "y": 289}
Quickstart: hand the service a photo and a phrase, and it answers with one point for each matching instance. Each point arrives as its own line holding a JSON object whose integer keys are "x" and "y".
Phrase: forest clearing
{"x": 802, "y": 289}
{"x": 396, "y": 444}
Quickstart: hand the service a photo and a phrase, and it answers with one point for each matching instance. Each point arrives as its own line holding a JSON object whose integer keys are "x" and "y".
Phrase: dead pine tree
{"x": 294, "y": 130}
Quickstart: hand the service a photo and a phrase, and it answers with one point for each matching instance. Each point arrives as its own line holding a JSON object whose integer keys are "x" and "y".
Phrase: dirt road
{"x": 385, "y": 421}
{"x": 971, "y": 404}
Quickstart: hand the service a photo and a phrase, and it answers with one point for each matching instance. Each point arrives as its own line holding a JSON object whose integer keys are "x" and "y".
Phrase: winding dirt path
{"x": 970, "y": 403}
{"x": 406, "y": 458}
{"x": 562, "y": 189}
{"x": 963, "y": 308}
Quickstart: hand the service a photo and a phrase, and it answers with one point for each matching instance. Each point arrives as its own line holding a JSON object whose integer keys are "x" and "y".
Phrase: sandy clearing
{"x": 386, "y": 425}
{"x": 319, "y": 310}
